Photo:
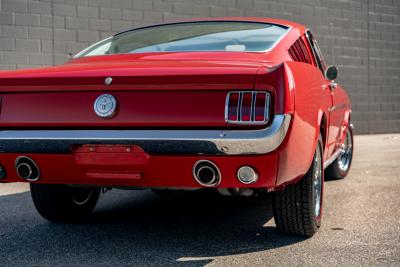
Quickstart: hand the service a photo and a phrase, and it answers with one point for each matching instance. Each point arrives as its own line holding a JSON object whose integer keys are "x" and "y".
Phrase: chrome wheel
{"x": 317, "y": 180}
{"x": 346, "y": 153}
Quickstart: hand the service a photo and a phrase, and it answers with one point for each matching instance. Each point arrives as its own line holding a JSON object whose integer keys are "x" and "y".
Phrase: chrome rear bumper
{"x": 218, "y": 142}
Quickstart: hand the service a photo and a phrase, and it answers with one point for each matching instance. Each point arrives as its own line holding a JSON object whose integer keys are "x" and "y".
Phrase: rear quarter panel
{"x": 340, "y": 118}
{"x": 311, "y": 103}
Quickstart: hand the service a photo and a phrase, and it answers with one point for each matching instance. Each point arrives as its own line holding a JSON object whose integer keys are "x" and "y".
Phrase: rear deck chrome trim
{"x": 223, "y": 142}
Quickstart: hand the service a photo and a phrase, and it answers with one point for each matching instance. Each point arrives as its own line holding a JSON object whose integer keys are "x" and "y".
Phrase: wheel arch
{"x": 323, "y": 127}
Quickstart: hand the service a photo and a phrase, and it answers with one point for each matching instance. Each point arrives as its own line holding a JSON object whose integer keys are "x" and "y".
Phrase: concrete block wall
{"x": 361, "y": 36}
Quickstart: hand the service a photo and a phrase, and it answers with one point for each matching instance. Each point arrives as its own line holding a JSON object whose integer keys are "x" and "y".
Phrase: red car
{"x": 236, "y": 104}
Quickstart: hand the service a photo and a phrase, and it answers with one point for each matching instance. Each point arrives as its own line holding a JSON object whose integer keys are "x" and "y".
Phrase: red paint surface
{"x": 161, "y": 171}
{"x": 176, "y": 90}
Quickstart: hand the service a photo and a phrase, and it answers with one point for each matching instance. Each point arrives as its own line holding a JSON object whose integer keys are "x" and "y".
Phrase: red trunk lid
{"x": 161, "y": 90}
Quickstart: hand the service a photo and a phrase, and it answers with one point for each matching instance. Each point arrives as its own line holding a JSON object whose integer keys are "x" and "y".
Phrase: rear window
{"x": 231, "y": 36}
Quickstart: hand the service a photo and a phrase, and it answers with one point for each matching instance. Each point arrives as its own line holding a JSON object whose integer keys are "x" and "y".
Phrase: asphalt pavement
{"x": 361, "y": 225}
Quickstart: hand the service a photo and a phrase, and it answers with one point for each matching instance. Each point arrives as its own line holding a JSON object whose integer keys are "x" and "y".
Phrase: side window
{"x": 316, "y": 51}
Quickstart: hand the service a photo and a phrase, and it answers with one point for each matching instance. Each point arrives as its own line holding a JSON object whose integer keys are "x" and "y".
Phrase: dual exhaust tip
{"x": 207, "y": 174}
{"x": 27, "y": 169}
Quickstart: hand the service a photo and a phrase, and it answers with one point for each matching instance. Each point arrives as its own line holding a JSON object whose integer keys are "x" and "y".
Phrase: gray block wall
{"x": 361, "y": 36}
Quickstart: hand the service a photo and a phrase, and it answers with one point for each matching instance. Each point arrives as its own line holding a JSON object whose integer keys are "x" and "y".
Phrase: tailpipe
{"x": 206, "y": 173}
{"x": 27, "y": 169}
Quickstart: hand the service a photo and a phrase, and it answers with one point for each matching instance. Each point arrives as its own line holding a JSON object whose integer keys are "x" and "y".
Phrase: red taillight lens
{"x": 233, "y": 107}
{"x": 260, "y": 107}
{"x": 247, "y": 107}
{"x": 247, "y": 104}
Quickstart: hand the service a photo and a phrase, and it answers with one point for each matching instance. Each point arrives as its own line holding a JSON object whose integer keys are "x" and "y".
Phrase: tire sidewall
{"x": 54, "y": 202}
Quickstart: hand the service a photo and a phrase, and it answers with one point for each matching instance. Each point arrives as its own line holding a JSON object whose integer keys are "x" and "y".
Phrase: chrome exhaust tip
{"x": 27, "y": 169}
{"x": 206, "y": 173}
{"x": 247, "y": 175}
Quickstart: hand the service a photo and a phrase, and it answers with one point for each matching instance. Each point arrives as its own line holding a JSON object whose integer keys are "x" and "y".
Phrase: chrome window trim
{"x": 315, "y": 53}
{"x": 311, "y": 47}
{"x": 225, "y": 142}
{"x": 288, "y": 29}
{"x": 79, "y": 54}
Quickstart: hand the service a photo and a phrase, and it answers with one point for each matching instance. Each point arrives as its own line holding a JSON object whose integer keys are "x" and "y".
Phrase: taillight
{"x": 247, "y": 107}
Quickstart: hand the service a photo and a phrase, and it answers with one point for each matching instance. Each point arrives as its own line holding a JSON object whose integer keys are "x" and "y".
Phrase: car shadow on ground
{"x": 139, "y": 227}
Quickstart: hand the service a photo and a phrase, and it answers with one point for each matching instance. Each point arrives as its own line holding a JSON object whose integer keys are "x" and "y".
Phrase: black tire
{"x": 339, "y": 168}
{"x": 295, "y": 208}
{"x": 63, "y": 203}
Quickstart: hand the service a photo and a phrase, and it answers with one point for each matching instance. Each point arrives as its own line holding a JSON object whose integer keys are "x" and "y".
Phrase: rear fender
{"x": 310, "y": 103}
{"x": 346, "y": 125}
{"x": 279, "y": 81}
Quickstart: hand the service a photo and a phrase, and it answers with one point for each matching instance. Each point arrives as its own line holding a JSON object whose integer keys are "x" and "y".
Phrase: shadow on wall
{"x": 138, "y": 227}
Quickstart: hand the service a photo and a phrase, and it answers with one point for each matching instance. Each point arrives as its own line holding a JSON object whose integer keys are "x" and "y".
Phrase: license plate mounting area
{"x": 111, "y": 161}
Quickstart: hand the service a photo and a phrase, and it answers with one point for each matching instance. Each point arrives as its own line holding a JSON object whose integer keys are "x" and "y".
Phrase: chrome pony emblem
{"x": 108, "y": 81}
{"x": 105, "y": 106}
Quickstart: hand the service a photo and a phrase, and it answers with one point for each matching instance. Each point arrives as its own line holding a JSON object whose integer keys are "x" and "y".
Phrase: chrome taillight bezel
{"x": 252, "y": 120}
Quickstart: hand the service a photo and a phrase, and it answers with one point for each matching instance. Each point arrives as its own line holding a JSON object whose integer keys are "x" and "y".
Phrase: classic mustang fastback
{"x": 241, "y": 105}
